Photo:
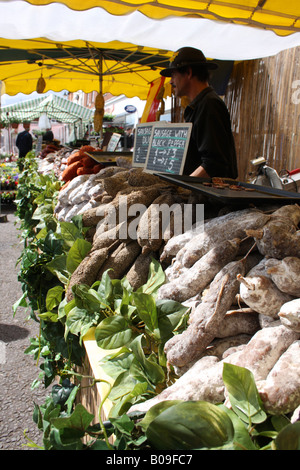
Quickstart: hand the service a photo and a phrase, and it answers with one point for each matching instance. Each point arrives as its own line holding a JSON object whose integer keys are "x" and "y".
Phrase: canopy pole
{"x": 100, "y": 64}
{"x": 100, "y": 68}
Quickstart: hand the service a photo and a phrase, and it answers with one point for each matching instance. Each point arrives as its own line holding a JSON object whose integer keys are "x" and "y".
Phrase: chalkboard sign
{"x": 141, "y": 143}
{"x": 168, "y": 147}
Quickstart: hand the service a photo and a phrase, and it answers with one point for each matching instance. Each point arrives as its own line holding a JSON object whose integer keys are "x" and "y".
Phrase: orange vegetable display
{"x": 74, "y": 157}
{"x": 86, "y": 148}
{"x": 83, "y": 170}
{"x": 88, "y": 162}
{"x": 70, "y": 171}
{"x": 98, "y": 167}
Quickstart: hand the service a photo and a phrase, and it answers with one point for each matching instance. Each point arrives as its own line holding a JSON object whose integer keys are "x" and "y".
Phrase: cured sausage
{"x": 207, "y": 318}
{"x": 200, "y": 275}
{"x": 226, "y": 227}
{"x": 279, "y": 237}
{"x": 154, "y": 222}
{"x": 289, "y": 315}
{"x": 285, "y": 274}
{"x": 259, "y": 355}
{"x": 87, "y": 271}
{"x": 259, "y": 292}
{"x": 280, "y": 392}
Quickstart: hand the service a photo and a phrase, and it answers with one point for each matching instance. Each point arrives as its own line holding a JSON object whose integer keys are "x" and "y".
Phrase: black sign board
{"x": 141, "y": 143}
{"x": 168, "y": 147}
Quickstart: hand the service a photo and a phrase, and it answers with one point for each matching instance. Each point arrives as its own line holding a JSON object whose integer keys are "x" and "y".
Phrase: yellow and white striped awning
{"x": 223, "y": 30}
{"x": 276, "y": 15}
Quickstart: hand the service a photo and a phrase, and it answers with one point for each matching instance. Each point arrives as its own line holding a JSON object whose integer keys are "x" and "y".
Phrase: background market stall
{"x": 72, "y": 117}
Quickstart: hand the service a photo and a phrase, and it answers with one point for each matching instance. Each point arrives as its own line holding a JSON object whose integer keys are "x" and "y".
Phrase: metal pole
{"x": 100, "y": 68}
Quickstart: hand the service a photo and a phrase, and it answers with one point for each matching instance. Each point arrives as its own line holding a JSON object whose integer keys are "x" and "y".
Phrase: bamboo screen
{"x": 263, "y": 97}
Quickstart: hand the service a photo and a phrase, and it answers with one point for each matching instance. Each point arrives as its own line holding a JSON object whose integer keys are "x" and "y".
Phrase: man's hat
{"x": 187, "y": 56}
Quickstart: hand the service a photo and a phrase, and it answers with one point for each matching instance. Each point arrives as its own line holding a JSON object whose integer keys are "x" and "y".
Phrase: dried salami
{"x": 280, "y": 392}
{"x": 279, "y": 237}
{"x": 207, "y": 318}
{"x": 219, "y": 229}
{"x": 289, "y": 315}
{"x": 194, "y": 280}
{"x": 285, "y": 274}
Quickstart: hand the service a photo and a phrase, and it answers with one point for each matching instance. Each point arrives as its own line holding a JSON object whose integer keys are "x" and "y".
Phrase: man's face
{"x": 179, "y": 82}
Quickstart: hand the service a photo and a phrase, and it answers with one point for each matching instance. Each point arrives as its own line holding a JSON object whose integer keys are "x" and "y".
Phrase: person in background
{"x": 211, "y": 151}
{"x": 24, "y": 143}
{"x": 127, "y": 141}
{"x": 48, "y": 136}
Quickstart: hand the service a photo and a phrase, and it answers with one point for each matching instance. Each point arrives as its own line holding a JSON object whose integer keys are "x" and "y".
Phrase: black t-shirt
{"x": 48, "y": 136}
{"x": 24, "y": 143}
{"x": 211, "y": 144}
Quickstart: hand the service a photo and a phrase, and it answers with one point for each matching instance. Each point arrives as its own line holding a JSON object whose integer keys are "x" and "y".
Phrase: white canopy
{"x": 218, "y": 40}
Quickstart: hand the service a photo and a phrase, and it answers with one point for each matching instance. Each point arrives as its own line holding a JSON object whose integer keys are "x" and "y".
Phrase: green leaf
{"x": 21, "y": 302}
{"x": 279, "y": 422}
{"x": 146, "y": 309}
{"x": 77, "y": 253}
{"x": 64, "y": 308}
{"x": 49, "y": 316}
{"x": 242, "y": 439}
{"x": 117, "y": 363}
{"x": 155, "y": 411}
{"x": 156, "y": 278}
{"x": 128, "y": 399}
{"x": 123, "y": 424}
{"x": 52, "y": 245}
{"x": 243, "y": 394}
{"x": 289, "y": 437}
{"x": 79, "y": 421}
{"x": 78, "y": 322}
{"x": 105, "y": 287}
{"x": 54, "y": 296}
{"x": 190, "y": 425}
{"x": 170, "y": 314}
{"x": 152, "y": 371}
{"x": 58, "y": 267}
{"x": 68, "y": 232}
{"x": 113, "y": 332}
{"x": 123, "y": 385}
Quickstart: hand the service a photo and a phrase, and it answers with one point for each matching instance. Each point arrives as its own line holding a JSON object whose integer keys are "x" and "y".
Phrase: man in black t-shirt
{"x": 48, "y": 136}
{"x": 211, "y": 150}
{"x": 24, "y": 140}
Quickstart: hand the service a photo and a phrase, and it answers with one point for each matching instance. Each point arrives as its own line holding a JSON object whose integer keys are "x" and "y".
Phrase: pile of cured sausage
{"x": 240, "y": 275}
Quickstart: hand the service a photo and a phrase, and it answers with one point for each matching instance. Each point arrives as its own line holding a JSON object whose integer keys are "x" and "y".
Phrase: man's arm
{"x": 200, "y": 173}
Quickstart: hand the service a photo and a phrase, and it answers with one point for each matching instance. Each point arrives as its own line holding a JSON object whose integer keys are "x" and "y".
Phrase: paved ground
{"x": 17, "y": 370}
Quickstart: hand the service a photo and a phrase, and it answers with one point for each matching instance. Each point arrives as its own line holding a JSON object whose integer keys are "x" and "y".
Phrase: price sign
{"x": 168, "y": 147}
{"x": 141, "y": 143}
{"x": 114, "y": 140}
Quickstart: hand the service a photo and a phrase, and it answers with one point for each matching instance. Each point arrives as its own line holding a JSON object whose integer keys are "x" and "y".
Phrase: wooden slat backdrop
{"x": 265, "y": 118}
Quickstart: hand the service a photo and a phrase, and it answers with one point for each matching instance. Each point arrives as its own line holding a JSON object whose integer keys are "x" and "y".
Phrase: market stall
{"x": 196, "y": 323}
{"x": 212, "y": 279}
